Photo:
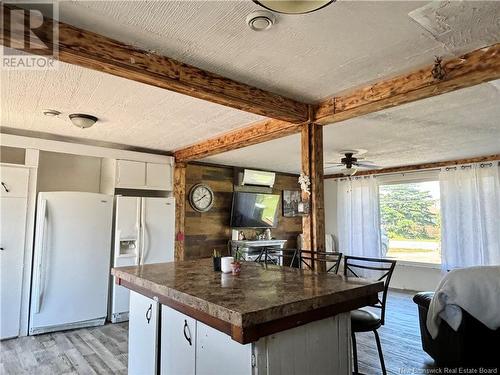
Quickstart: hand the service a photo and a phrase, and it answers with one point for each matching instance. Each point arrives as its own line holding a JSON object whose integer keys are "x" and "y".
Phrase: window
{"x": 410, "y": 220}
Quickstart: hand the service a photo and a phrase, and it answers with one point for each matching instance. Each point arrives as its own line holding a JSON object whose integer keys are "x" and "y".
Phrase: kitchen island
{"x": 188, "y": 319}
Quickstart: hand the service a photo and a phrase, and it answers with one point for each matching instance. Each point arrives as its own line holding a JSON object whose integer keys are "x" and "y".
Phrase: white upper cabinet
{"x": 130, "y": 174}
{"x": 140, "y": 175}
{"x": 14, "y": 181}
{"x": 159, "y": 176}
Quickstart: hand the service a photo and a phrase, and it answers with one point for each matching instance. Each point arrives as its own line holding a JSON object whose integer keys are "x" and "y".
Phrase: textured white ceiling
{"x": 307, "y": 57}
{"x": 129, "y": 113}
{"x": 456, "y": 125}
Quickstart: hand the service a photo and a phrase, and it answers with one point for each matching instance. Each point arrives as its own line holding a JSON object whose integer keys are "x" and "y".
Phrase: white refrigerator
{"x": 71, "y": 261}
{"x": 144, "y": 234}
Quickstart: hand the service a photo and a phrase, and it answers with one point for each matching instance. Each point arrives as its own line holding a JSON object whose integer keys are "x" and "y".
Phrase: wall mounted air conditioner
{"x": 258, "y": 178}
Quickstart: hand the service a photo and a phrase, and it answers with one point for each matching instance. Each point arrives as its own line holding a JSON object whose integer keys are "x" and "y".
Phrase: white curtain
{"x": 358, "y": 217}
{"x": 470, "y": 216}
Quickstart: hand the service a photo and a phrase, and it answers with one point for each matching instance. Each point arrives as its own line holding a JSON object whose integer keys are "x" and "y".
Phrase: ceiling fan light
{"x": 82, "y": 121}
{"x": 349, "y": 171}
{"x": 293, "y": 6}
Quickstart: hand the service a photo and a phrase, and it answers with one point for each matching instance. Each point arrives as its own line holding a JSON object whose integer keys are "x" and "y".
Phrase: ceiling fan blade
{"x": 339, "y": 164}
{"x": 371, "y": 166}
{"x": 365, "y": 161}
{"x": 333, "y": 166}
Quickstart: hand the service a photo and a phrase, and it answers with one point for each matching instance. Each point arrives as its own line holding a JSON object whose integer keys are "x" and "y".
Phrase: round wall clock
{"x": 201, "y": 197}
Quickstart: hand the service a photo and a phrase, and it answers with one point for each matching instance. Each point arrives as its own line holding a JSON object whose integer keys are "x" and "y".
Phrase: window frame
{"x": 407, "y": 178}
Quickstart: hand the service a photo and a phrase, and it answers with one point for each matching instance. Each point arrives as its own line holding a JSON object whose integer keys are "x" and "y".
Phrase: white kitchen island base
{"x": 188, "y": 347}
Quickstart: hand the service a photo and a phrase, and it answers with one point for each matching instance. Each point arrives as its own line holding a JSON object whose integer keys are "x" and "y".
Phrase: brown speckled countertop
{"x": 259, "y": 295}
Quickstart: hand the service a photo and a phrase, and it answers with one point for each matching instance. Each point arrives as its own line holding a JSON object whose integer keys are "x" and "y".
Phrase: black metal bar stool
{"x": 363, "y": 320}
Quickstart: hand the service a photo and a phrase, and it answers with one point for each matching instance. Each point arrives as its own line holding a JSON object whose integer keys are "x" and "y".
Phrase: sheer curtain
{"x": 470, "y": 215}
{"x": 358, "y": 217}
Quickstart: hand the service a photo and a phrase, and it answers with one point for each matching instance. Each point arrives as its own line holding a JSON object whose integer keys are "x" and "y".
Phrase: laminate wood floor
{"x": 97, "y": 350}
{"x": 400, "y": 339}
{"x": 103, "y": 350}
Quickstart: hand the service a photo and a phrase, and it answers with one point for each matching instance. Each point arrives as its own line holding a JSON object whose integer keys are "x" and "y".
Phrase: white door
{"x": 159, "y": 176}
{"x": 178, "y": 343}
{"x": 142, "y": 335}
{"x": 130, "y": 174}
{"x": 12, "y": 234}
{"x": 158, "y": 226}
{"x": 72, "y": 260}
{"x": 126, "y": 250}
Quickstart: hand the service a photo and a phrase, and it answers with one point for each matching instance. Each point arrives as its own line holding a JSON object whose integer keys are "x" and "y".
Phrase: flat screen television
{"x": 254, "y": 210}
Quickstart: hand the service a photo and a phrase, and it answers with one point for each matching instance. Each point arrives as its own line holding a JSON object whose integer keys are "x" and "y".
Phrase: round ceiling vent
{"x": 261, "y": 20}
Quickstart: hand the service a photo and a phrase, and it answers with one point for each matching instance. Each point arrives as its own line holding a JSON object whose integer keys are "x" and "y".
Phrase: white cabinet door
{"x": 217, "y": 353}
{"x": 12, "y": 233}
{"x": 178, "y": 340}
{"x": 130, "y": 174}
{"x": 143, "y": 335}
{"x": 14, "y": 181}
{"x": 159, "y": 176}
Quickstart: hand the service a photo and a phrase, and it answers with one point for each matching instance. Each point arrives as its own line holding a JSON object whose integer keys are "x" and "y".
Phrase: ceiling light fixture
{"x": 293, "y": 6}
{"x": 260, "y": 20}
{"x": 82, "y": 120}
{"x": 50, "y": 112}
{"x": 349, "y": 171}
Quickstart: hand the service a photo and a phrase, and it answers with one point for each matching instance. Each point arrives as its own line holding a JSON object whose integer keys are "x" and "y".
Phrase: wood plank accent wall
{"x": 210, "y": 230}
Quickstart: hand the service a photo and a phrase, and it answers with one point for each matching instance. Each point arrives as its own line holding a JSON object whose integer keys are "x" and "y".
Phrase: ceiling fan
{"x": 351, "y": 162}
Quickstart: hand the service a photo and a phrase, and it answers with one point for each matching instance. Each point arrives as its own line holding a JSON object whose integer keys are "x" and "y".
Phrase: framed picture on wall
{"x": 291, "y": 200}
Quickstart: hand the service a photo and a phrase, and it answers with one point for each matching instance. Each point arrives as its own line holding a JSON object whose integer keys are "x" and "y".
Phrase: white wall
{"x": 66, "y": 172}
{"x": 415, "y": 277}
{"x": 406, "y": 276}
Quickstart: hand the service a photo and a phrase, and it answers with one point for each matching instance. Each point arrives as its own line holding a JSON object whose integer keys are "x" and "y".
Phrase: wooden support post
{"x": 313, "y": 225}
{"x": 180, "y": 208}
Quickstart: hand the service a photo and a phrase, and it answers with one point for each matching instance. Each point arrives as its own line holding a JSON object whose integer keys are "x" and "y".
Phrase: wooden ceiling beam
{"x": 476, "y": 67}
{"x": 94, "y": 51}
{"x": 473, "y": 68}
{"x": 417, "y": 167}
{"x": 259, "y": 132}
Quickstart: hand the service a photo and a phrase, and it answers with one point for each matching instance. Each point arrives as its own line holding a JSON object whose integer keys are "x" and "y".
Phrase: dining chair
{"x": 283, "y": 257}
{"x": 331, "y": 260}
{"x": 363, "y": 320}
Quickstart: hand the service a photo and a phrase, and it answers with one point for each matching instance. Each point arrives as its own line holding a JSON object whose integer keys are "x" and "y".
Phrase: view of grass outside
{"x": 410, "y": 221}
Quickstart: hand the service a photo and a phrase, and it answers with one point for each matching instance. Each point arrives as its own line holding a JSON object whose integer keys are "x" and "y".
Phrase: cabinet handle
{"x": 149, "y": 313}
{"x": 5, "y": 187}
{"x": 185, "y": 335}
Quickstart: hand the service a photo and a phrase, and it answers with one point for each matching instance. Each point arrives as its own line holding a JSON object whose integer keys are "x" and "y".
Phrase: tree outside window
{"x": 410, "y": 220}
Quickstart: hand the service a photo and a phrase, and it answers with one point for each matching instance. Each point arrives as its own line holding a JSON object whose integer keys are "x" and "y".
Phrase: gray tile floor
{"x": 103, "y": 350}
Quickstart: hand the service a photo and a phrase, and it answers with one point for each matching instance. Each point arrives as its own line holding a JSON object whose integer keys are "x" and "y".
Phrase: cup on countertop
{"x": 225, "y": 264}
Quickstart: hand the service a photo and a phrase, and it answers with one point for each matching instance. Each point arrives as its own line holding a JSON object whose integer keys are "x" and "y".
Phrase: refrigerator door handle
{"x": 41, "y": 252}
{"x": 145, "y": 245}
{"x": 143, "y": 240}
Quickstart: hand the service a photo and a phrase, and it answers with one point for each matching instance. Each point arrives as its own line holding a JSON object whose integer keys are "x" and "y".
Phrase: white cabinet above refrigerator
{"x": 127, "y": 174}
